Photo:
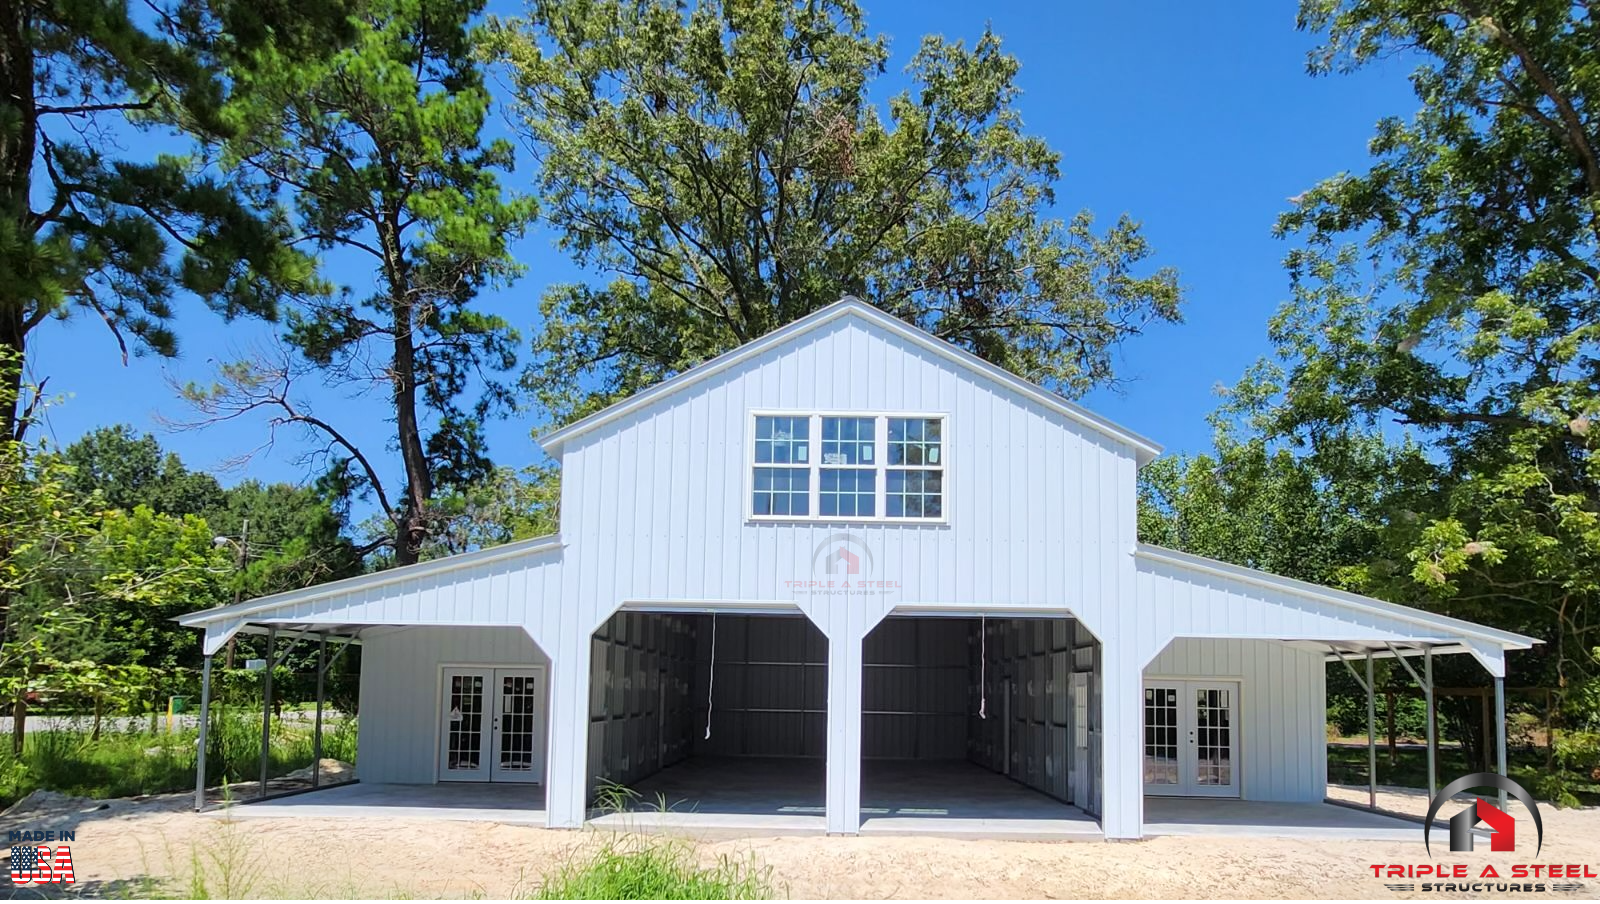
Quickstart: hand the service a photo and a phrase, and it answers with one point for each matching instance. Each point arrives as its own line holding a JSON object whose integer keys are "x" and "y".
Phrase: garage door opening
{"x": 981, "y": 725}
{"x": 706, "y": 720}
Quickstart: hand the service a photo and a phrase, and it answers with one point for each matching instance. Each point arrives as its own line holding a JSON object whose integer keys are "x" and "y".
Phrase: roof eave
{"x": 530, "y": 546}
{"x": 1504, "y": 639}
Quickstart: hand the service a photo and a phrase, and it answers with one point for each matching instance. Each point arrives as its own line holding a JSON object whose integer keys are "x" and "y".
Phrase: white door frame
{"x": 488, "y": 767}
{"x": 1187, "y": 740}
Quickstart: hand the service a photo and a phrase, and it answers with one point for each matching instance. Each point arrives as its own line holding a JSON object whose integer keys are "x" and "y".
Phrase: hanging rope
{"x": 711, "y": 683}
{"x": 983, "y": 667}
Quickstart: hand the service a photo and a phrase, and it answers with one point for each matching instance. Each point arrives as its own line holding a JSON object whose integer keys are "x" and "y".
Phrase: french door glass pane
{"x": 519, "y": 702}
{"x": 1213, "y": 737}
{"x": 1160, "y": 736}
{"x": 465, "y": 741}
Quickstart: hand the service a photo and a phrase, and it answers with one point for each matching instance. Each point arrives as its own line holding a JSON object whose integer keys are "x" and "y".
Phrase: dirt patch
{"x": 322, "y": 858}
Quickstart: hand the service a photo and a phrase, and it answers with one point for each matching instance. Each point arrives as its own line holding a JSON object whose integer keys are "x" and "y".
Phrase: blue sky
{"x": 1198, "y": 120}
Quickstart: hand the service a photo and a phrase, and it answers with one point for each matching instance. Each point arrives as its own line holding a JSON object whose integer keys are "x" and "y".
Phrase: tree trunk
{"x": 19, "y": 722}
{"x": 1388, "y": 703}
{"x": 411, "y": 521}
{"x": 18, "y": 142}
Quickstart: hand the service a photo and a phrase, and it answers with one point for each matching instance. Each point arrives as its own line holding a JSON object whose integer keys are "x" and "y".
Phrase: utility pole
{"x": 241, "y": 556}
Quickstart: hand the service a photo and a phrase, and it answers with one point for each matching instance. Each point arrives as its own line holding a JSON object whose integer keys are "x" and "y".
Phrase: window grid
{"x": 868, "y": 467}
{"x": 914, "y": 483}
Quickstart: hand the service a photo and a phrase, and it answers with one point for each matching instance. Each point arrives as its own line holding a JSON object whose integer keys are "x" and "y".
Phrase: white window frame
{"x": 880, "y": 467}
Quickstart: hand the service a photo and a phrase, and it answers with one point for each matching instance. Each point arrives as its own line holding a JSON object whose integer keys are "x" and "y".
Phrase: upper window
{"x": 869, "y": 467}
{"x": 916, "y": 468}
{"x": 781, "y": 488}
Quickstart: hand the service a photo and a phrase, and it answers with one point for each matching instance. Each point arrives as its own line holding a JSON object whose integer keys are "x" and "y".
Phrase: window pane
{"x": 848, "y": 492}
{"x": 781, "y": 491}
{"x": 915, "y": 442}
{"x": 782, "y": 440}
{"x": 915, "y": 494}
{"x": 847, "y": 440}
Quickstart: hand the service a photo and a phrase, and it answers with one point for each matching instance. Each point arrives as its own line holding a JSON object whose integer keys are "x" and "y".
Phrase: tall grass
{"x": 643, "y": 868}
{"x": 135, "y": 762}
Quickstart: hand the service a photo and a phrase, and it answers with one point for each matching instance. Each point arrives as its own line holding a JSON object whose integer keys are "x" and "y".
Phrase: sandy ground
{"x": 123, "y": 848}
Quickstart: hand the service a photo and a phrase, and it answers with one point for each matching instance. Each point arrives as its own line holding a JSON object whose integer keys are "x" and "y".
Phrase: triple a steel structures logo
{"x": 1503, "y": 836}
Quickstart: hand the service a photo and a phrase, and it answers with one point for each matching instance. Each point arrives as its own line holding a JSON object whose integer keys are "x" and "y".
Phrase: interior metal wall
{"x": 640, "y": 705}
{"x": 1032, "y": 718}
{"x": 768, "y": 691}
{"x": 916, "y": 688}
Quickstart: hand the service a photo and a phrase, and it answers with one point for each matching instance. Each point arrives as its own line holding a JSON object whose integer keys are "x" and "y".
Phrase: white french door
{"x": 492, "y": 727}
{"x": 1191, "y": 738}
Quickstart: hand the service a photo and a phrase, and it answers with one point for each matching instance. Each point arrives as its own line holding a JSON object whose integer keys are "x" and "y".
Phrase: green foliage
{"x": 140, "y": 571}
{"x": 128, "y": 470}
{"x": 380, "y": 148}
{"x": 643, "y": 868}
{"x": 127, "y": 763}
{"x": 1307, "y": 517}
{"x": 505, "y": 505}
{"x": 726, "y": 167}
{"x": 86, "y": 226}
{"x": 291, "y": 536}
{"x": 1454, "y": 288}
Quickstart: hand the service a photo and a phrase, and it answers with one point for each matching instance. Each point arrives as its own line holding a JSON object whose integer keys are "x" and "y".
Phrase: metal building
{"x": 850, "y": 572}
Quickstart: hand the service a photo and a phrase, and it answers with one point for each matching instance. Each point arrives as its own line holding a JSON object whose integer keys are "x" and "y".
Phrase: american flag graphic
{"x": 24, "y": 860}
{"x": 30, "y": 863}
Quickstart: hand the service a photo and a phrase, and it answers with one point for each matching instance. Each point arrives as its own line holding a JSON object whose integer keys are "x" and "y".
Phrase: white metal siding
{"x": 399, "y": 725}
{"x": 1041, "y": 521}
{"x": 1282, "y": 725}
{"x": 653, "y": 507}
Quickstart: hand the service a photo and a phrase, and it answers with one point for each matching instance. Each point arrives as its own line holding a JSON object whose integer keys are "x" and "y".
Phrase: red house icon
{"x": 852, "y": 564}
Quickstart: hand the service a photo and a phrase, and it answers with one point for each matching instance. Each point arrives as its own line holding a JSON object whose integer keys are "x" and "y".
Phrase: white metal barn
{"x": 850, "y": 570}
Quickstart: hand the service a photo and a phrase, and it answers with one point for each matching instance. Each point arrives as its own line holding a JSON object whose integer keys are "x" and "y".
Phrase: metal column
{"x": 1433, "y": 740}
{"x": 1372, "y": 719}
{"x": 266, "y": 710}
{"x": 1372, "y": 740}
{"x": 316, "y": 733}
{"x": 1500, "y": 730}
{"x": 205, "y": 722}
{"x": 1426, "y": 682}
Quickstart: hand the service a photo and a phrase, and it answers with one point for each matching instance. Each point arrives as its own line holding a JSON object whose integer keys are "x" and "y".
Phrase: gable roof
{"x": 1340, "y": 598}
{"x": 850, "y": 306}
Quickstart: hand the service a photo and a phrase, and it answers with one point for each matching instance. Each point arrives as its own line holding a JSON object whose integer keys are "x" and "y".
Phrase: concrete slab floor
{"x": 957, "y": 798}
{"x": 515, "y": 804}
{"x": 727, "y": 797}
{"x": 776, "y": 795}
{"x": 1260, "y": 818}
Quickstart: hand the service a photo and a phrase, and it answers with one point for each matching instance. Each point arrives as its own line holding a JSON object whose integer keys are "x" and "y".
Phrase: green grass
{"x": 639, "y": 868}
{"x": 1347, "y": 765}
{"x": 135, "y": 762}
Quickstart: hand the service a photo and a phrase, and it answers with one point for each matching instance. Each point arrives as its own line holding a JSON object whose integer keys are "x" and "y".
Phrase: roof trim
{"x": 1144, "y": 449}
{"x": 1344, "y": 599}
{"x": 531, "y": 546}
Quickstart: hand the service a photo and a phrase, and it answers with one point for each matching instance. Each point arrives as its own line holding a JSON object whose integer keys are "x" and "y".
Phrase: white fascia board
{"x": 447, "y": 564}
{"x": 1144, "y": 449}
{"x": 1341, "y": 598}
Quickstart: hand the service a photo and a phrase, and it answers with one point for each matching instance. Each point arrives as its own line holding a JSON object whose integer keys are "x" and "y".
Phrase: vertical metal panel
{"x": 1282, "y": 727}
